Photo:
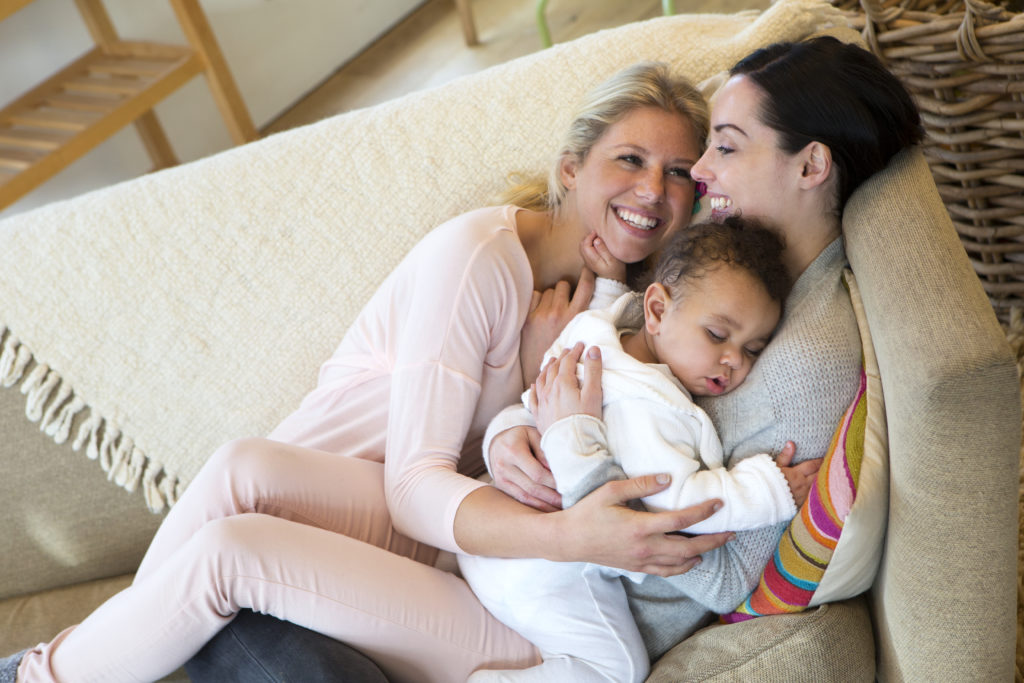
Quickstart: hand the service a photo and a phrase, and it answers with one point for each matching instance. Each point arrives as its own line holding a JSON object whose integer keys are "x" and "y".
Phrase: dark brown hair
{"x": 838, "y": 94}
{"x": 739, "y": 242}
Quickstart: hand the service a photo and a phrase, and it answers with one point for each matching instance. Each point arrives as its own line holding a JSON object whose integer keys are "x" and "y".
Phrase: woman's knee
{"x": 244, "y": 460}
{"x": 229, "y": 545}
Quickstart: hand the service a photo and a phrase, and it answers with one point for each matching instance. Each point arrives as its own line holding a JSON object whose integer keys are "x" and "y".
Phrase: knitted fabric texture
{"x": 9, "y": 667}
{"x": 805, "y": 550}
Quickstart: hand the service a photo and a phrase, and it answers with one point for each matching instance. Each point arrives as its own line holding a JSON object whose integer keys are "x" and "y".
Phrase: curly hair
{"x": 739, "y": 242}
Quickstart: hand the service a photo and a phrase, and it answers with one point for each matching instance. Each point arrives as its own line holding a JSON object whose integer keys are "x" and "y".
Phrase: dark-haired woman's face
{"x": 744, "y": 169}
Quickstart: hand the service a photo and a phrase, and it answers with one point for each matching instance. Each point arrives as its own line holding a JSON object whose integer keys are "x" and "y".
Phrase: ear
{"x": 816, "y": 168}
{"x": 567, "y": 168}
{"x": 656, "y": 302}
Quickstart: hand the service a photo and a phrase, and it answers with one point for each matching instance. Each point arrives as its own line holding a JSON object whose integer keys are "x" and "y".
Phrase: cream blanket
{"x": 151, "y": 321}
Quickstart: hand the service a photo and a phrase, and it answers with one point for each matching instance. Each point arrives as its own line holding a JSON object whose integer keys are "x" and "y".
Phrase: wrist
{"x": 561, "y": 541}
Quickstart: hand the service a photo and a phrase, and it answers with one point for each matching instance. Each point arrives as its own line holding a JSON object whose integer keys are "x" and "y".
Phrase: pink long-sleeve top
{"x": 432, "y": 357}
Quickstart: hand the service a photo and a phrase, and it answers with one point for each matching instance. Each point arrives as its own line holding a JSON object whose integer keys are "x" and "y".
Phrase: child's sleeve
{"x": 577, "y": 453}
{"x": 650, "y": 437}
{"x": 754, "y": 492}
{"x": 606, "y": 292}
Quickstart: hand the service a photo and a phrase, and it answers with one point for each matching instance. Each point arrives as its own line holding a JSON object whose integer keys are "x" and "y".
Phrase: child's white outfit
{"x": 577, "y": 614}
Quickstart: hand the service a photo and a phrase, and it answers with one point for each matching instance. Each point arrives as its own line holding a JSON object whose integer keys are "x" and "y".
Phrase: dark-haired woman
{"x": 794, "y": 131}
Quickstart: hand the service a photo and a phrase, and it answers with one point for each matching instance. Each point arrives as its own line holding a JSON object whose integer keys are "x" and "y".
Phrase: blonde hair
{"x": 646, "y": 84}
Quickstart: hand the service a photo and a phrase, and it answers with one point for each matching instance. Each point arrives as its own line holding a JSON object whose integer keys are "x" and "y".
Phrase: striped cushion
{"x": 831, "y": 549}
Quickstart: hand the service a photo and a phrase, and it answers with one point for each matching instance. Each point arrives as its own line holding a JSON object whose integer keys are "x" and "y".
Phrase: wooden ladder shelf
{"x": 116, "y": 83}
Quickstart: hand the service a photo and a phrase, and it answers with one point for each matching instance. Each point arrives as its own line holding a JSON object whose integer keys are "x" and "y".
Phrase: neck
{"x": 804, "y": 242}
{"x": 638, "y": 346}
{"x": 552, "y": 244}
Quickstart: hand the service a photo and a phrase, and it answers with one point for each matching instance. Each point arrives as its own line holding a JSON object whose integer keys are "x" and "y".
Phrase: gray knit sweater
{"x": 798, "y": 390}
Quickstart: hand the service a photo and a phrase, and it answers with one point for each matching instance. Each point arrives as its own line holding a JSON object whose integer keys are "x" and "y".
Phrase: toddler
{"x": 715, "y": 300}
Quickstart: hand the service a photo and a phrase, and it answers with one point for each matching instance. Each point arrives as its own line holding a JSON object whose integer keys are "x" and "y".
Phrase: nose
{"x": 651, "y": 186}
{"x": 700, "y": 171}
{"x": 731, "y": 358}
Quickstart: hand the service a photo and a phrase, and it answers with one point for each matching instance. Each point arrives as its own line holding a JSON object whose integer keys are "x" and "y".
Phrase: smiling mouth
{"x": 637, "y": 220}
{"x": 720, "y": 203}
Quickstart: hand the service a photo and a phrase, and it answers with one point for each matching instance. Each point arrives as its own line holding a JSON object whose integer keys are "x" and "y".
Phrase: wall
{"x": 277, "y": 50}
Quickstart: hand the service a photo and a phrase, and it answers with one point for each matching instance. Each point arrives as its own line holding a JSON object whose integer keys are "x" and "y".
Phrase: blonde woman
{"x": 333, "y": 523}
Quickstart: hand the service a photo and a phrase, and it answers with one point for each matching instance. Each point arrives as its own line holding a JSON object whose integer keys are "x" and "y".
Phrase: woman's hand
{"x": 799, "y": 477}
{"x": 601, "y": 529}
{"x": 558, "y": 393}
{"x": 549, "y": 312}
{"x": 520, "y": 470}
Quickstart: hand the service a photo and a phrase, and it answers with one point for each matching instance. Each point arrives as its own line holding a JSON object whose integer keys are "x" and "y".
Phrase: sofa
{"x": 144, "y": 324}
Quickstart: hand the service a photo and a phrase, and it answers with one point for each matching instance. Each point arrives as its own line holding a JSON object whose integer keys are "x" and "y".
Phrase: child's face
{"x": 711, "y": 335}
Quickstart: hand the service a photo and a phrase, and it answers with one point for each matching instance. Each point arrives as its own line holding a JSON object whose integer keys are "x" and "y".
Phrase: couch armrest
{"x": 943, "y": 604}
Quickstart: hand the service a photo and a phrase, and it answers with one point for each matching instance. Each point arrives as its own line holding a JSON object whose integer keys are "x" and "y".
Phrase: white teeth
{"x": 720, "y": 203}
{"x": 637, "y": 220}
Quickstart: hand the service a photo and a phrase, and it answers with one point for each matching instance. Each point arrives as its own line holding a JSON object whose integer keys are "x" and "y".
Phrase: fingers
{"x": 785, "y": 458}
{"x": 534, "y": 437}
{"x": 601, "y": 248}
{"x": 621, "y": 492}
{"x": 539, "y": 498}
{"x": 584, "y": 291}
{"x": 809, "y": 467}
{"x": 689, "y": 516}
{"x": 535, "y": 300}
{"x": 538, "y": 483}
{"x": 590, "y": 393}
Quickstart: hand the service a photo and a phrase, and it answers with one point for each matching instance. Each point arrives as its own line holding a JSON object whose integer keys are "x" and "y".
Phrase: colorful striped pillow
{"x": 831, "y": 549}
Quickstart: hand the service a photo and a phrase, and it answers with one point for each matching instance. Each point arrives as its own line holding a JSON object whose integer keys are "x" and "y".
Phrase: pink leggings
{"x": 303, "y": 535}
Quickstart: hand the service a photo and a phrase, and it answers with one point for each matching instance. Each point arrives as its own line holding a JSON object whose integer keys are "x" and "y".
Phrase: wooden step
{"x": 76, "y": 109}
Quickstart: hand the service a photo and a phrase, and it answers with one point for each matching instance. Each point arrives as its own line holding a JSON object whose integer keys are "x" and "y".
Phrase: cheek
{"x": 682, "y": 198}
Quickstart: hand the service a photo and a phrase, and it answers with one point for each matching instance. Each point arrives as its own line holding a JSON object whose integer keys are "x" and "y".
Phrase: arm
{"x": 515, "y": 461}
{"x": 599, "y": 529}
{"x": 511, "y": 447}
{"x": 652, "y": 437}
{"x": 754, "y": 491}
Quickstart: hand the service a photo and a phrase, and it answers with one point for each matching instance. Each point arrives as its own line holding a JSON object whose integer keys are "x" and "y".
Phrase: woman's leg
{"x": 416, "y": 622}
{"x": 335, "y": 492}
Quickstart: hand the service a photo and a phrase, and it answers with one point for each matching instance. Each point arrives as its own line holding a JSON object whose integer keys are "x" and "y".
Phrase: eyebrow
{"x": 722, "y": 126}
{"x": 725, "y": 320}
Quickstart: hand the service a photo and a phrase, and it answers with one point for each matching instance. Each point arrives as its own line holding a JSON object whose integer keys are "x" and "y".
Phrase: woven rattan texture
{"x": 964, "y": 64}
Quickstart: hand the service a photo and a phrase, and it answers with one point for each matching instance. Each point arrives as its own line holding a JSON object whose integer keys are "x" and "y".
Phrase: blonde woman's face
{"x": 634, "y": 187}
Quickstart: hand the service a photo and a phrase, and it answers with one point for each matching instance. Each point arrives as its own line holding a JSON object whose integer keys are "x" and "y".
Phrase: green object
{"x": 667, "y": 7}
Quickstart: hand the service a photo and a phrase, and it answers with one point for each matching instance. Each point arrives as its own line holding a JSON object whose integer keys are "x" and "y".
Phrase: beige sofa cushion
{"x": 829, "y": 643}
{"x": 63, "y": 525}
{"x": 28, "y": 620}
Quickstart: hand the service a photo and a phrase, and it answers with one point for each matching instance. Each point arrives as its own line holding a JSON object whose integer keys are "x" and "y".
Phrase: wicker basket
{"x": 964, "y": 63}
